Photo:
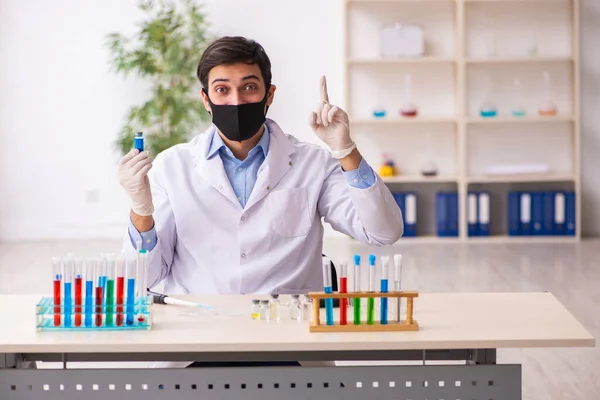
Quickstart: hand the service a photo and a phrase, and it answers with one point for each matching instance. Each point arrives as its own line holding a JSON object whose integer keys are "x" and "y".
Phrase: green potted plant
{"x": 165, "y": 50}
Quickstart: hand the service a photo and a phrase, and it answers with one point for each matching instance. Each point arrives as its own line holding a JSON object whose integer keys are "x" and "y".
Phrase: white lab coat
{"x": 209, "y": 244}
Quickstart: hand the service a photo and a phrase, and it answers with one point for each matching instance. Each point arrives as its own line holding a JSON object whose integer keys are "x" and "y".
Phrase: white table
{"x": 469, "y": 327}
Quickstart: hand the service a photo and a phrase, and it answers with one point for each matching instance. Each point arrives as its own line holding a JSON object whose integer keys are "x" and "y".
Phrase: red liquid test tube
{"x": 78, "y": 291}
{"x": 57, "y": 284}
{"x": 344, "y": 289}
{"x": 100, "y": 272}
{"x": 120, "y": 288}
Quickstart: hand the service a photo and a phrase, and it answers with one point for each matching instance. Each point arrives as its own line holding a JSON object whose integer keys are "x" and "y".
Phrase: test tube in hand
{"x": 328, "y": 289}
{"x": 398, "y": 282}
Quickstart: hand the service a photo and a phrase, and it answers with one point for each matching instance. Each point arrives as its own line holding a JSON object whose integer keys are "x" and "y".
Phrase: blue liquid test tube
{"x": 90, "y": 265}
{"x": 131, "y": 274}
{"x": 138, "y": 141}
{"x": 383, "y": 317}
{"x": 68, "y": 288}
{"x": 328, "y": 289}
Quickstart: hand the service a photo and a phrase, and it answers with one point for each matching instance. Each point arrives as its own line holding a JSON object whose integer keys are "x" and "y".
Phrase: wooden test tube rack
{"x": 409, "y": 324}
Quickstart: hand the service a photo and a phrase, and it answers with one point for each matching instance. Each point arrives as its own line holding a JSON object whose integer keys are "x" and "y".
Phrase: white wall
{"x": 61, "y": 107}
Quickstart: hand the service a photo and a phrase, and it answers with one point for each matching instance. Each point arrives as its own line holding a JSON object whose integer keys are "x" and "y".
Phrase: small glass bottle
{"x": 307, "y": 309}
{"x": 264, "y": 310}
{"x": 274, "y": 307}
{"x": 295, "y": 308}
{"x": 255, "y": 310}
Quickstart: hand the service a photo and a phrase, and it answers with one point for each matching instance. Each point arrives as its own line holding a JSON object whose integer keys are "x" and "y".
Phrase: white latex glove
{"x": 330, "y": 123}
{"x": 133, "y": 176}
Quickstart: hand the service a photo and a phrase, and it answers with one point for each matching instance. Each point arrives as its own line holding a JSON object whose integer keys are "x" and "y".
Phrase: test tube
{"x": 120, "y": 287}
{"x": 142, "y": 282}
{"x": 102, "y": 276}
{"x": 398, "y": 282}
{"x": 78, "y": 290}
{"x": 328, "y": 289}
{"x": 138, "y": 141}
{"x": 57, "y": 285}
{"x": 131, "y": 278}
{"x": 110, "y": 290}
{"x": 344, "y": 289}
{"x": 99, "y": 276}
{"x": 383, "y": 318}
{"x": 90, "y": 270}
{"x": 68, "y": 288}
{"x": 356, "y": 301}
{"x": 371, "y": 300}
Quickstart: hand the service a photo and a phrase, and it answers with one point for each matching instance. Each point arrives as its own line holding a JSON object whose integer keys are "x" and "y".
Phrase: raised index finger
{"x": 324, "y": 95}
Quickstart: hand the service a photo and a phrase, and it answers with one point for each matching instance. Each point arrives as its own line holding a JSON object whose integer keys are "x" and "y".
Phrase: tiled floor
{"x": 569, "y": 270}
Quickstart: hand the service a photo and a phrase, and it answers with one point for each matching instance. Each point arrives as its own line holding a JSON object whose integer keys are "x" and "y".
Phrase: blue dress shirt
{"x": 243, "y": 174}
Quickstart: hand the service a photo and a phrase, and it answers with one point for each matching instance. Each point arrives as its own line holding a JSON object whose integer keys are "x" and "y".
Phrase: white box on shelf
{"x": 399, "y": 40}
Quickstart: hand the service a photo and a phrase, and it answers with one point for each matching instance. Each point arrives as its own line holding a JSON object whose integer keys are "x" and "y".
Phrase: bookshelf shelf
{"x": 509, "y": 43}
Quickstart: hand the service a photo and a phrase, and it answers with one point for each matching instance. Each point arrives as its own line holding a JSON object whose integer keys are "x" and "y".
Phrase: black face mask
{"x": 238, "y": 122}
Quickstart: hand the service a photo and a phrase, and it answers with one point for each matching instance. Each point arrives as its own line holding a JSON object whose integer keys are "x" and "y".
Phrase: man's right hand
{"x": 133, "y": 176}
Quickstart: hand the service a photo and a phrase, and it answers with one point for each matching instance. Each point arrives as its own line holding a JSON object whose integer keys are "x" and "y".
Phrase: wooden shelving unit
{"x": 468, "y": 43}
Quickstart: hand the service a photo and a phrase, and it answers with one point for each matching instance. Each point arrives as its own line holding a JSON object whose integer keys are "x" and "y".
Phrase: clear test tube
{"x": 68, "y": 288}
{"x": 398, "y": 282}
{"x": 78, "y": 291}
{"x": 90, "y": 270}
{"x": 142, "y": 283}
{"x": 57, "y": 277}
{"x": 327, "y": 283}
{"x": 131, "y": 274}
{"x": 120, "y": 273}
{"x": 110, "y": 289}
{"x": 356, "y": 301}
{"x": 383, "y": 317}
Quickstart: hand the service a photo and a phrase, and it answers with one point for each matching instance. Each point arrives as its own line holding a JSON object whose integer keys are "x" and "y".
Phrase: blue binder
{"x": 514, "y": 213}
{"x": 410, "y": 227}
{"x": 399, "y": 197}
{"x": 483, "y": 225}
{"x": 570, "y": 213}
{"x": 548, "y": 225}
{"x": 452, "y": 213}
{"x": 441, "y": 214}
{"x": 473, "y": 214}
{"x": 525, "y": 214}
{"x": 559, "y": 213}
{"x": 537, "y": 213}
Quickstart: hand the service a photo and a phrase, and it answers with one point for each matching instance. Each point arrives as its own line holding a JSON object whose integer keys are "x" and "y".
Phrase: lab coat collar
{"x": 277, "y": 163}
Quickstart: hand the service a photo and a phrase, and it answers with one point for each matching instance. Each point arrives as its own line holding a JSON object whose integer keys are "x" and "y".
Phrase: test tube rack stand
{"x": 409, "y": 324}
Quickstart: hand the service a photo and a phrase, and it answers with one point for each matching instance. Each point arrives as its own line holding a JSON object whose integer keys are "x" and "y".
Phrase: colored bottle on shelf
{"x": 519, "y": 110}
{"x": 488, "y": 108}
{"x": 547, "y": 107}
{"x": 379, "y": 112}
{"x": 408, "y": 109}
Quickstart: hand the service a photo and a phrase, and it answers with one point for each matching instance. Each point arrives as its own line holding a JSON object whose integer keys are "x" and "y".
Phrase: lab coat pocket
{"x": 290, "y": 216}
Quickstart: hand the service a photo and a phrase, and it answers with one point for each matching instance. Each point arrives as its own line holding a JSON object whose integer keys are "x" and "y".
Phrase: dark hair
{"x": 232, "y": 50}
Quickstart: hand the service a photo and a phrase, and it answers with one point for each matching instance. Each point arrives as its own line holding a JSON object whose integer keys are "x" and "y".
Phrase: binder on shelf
{"x": 452, "y": 211}
{"x": 410, "y": 218}
{"x": 537, "y": 213}
{"x": 514, "y": 213}
{"x": 483, "y": 226}
{"x": 441, "y": 214}
{"x": 472, "y": 214}
{"x": 559, "y": 214}
{"x": 570, "y": 214}
{"x": 548, "y": 225}
{"x": 525, "y": 214}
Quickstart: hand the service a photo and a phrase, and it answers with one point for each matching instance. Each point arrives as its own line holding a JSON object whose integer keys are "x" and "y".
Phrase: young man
{"x": 238, "y": 209}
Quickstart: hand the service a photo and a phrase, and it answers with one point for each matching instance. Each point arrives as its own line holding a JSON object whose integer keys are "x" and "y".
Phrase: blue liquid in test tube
{"x": 138, "y": 141}
{"x": 328, "y": 289}
{"x": 383, "y": 317}
{"x": 89, "y": 291}
{"x": 68, "y": 282}
{"x": 130, "y": 300}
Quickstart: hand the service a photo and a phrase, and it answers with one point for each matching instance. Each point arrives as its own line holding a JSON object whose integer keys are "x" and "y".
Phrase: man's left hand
{"x": 331, "y": 124}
